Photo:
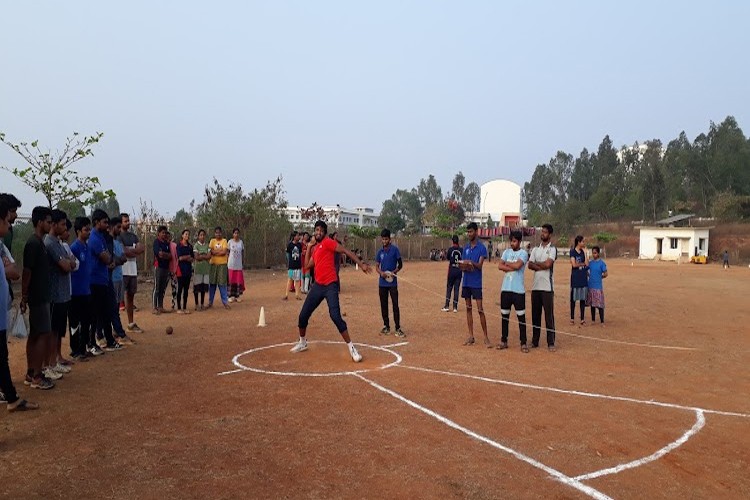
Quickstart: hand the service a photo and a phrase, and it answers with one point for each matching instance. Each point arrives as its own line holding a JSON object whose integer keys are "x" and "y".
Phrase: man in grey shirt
{"x": 133, "y": 248}
{"x": 542, "y": 262}
{"x": 61, "y": 266}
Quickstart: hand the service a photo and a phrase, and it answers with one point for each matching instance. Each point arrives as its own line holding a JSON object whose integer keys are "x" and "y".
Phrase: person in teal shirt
{"x": 595, "y": 294}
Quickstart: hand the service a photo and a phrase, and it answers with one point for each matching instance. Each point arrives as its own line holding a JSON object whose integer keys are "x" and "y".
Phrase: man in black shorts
{"x": 35, "y": 296}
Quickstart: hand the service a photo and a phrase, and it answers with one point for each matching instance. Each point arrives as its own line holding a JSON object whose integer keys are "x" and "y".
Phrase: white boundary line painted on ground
{"x": 242, "y": 368}
{"x": 389, "y": 346}
{"x": 570, "y": 334}
{"x": 578, "y": 393}
{"x": 557, "y": 475}
{"x": 700, "y": 421}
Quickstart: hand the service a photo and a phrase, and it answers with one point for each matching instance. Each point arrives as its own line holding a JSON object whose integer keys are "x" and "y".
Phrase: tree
{"x": 52, "y": 175}
{"x": 458, "y": 187}
{"x": 182, "y": 220}
{"x": 472, "y": 197}
{"x": 429, "y": 191}
{"x": 582, "y": 178}
{"x": 403, "y": 212}
{"x": 652, "y": 178}
{"x": 109, "y": 205}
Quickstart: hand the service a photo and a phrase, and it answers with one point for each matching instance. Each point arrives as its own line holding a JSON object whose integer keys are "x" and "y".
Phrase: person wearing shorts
{"x": 35, "y": 296}
{"x": 294, "y": 266}
{"x": 133, "y": 248}
{"x": 61, "y": 265}
{"x": 474, "y": 255}
{"x": 202, "y": 254}
{"x": 513, "y": 292}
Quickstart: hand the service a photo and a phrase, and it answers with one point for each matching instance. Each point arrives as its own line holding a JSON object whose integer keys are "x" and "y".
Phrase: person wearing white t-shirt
{"x": 542, "y": 262}
{"x": 133, "y": 248}
{"x": 513, "y": 293}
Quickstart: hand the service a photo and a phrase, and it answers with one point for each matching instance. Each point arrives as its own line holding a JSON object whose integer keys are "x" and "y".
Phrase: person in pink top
{"x": 173, "y": 264}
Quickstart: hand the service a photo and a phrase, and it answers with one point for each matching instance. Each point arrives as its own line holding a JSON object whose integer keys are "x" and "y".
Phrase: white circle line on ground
{"x": 236, "y": 362}
{"x": 556, "y": 474}
{"x": 700, "y": 421}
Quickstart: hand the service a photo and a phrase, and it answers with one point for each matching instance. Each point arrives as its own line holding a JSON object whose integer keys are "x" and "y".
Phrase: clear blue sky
{"x": 349, "y": 101}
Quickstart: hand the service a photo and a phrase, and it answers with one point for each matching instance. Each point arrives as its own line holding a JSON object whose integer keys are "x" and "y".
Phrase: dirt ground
{"x": 426, "y": 419}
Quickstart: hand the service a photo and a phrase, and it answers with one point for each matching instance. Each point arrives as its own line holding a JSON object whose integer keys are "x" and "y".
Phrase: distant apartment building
{"x": 335, "y": 216}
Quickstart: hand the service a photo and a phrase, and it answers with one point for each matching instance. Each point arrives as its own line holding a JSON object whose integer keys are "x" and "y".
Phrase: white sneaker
{"x": 59, "y": 368}
{"x": 356, "y": 357}
{"x": 299, "y": 346}
{"x": 237, "y": 299}
{"x": 231, "y": 299}
{"x": 445, "y": 309}
{"x": 51, "y": 374}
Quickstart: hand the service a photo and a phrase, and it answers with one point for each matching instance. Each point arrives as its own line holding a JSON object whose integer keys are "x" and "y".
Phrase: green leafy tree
{"x": 429, "y": 191}
{"x": 51, "y": 173}
{"x": 182, "y": 220}
{"x": 472, "y": 197}
{"x": 403, "y": 212}
{"x": 108, "y": 204}
{"x": 459, "y": 187}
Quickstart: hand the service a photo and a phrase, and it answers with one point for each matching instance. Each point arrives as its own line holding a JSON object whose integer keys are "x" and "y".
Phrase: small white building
{"x": 673, "y": 239}
{"x": 335, "y": 216}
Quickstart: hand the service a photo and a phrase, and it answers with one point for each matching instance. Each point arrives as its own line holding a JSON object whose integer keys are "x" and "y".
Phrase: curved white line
{"x": 556, "y": 474}
{"x": 577, "y": 393}
{"x": 236, "y": 362}
{"x": 700, "y": 421}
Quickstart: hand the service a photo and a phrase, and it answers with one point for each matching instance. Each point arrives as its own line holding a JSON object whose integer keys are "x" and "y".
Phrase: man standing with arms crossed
{"x": 542, "y": 262}
{"x": 133, "y": 248}
{"x": 474, "y": 255}
{"x": 513, "y": 293}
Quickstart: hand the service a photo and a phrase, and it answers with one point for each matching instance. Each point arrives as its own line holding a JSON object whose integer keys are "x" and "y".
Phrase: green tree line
{"x": 708, "y": 176}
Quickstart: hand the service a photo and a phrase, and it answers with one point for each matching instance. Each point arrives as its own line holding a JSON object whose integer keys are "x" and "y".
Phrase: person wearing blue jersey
{"x": 473, "y": 257}
{"x": 597, "y": 273}
{"x": 79, "y": 314}
{"x": 513, "y": 292}
{"x": 388, "y": 264}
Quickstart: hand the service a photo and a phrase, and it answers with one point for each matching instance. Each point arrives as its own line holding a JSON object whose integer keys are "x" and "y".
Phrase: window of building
{"x": 673, "y": 243}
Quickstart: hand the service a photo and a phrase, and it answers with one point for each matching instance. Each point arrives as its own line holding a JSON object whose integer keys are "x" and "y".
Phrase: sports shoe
{"x": 238, "y": 299}
{"x": 50, "y": 374}
{"x": 455, "y": 310}
{"x": 385, "y": 331}
{"x": 134, "y": 328}
{"x": 42, "y": 383}
{"x": 231, "y": 299}
{"x": 552, "y": 348}
{"x": 356, "y": 357}
{"x": 300, "y": 346}
{"x": 114, "y": 347}
{"x": 502, "y": 345}
{"x": 27, "y": 380}
{"x": 399, "y": 333}
{"x": 445, "y": 309}
{"x": 2, "y": 398}
{"x": 126, "y": 340}
{"x": 102, "y": 342}
{"x": 61, "y": 368}
{"x": 96, "y": 350}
